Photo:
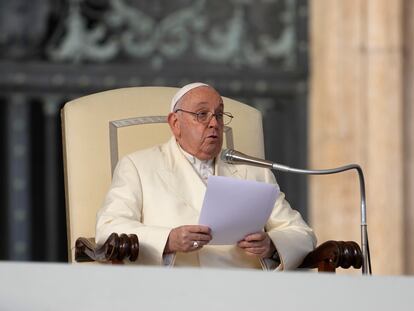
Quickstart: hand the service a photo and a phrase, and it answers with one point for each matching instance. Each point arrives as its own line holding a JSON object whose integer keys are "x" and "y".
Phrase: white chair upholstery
{"x": 101, "y": 128}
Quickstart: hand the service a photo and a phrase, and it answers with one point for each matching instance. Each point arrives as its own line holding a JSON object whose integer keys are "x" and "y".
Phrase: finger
{"x": 195, "y": 245}
{"x": 186, "y": 236}
{"x": 255, "y": 250}
{"x": 188, "y": 246}
{"x": 258, "y": 236}
{"x": 199, "y": 229}
{"x": 201, "y": 237}
{"x": 186, "y": 232}
{"x": 246, "y": 244}
{"x": 202, "y": 243}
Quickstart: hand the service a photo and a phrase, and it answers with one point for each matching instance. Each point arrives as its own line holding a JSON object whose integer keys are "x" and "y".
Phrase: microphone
{"x": 232, "y": 156}
{"x": 235, "y": 157}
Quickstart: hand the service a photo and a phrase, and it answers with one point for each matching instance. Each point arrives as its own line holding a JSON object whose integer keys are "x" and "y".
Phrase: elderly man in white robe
{"x": 157, "y": 194}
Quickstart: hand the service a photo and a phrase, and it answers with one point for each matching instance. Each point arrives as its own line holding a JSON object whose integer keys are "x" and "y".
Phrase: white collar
{"x": 194, "y": 160}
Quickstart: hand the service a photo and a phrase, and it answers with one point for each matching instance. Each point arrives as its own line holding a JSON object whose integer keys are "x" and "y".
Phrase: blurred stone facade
{"x": 54, "y": 51}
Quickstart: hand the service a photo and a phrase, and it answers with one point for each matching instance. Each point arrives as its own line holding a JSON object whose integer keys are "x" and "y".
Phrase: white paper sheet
{"x": 234, "y": 208}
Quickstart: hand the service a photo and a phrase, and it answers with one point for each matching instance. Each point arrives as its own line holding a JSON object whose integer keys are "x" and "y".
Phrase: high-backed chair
{"x": 101, "y": 128}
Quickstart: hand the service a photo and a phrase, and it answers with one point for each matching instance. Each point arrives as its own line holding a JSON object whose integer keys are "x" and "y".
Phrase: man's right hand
{"x": 187, "y": 238}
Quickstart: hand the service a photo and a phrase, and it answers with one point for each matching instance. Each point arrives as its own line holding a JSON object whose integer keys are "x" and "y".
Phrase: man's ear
{"x": 174, "y": 124}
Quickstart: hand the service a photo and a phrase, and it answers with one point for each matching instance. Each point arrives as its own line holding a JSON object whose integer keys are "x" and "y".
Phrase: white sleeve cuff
{"x": 269, "y": 264}
{"x": 168, "y": 259}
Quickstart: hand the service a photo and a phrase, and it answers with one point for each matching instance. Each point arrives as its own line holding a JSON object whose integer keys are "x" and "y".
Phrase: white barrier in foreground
{"x": 34, "y": 286}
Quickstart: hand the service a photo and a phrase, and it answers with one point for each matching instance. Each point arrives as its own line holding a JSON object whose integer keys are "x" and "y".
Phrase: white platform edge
{"x": 36, "y": 286}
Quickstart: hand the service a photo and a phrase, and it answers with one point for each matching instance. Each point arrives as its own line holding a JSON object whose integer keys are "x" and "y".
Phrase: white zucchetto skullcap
{"x": 184, "y": 90}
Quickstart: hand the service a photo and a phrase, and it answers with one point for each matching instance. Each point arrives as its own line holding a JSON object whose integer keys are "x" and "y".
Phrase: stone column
{"x": 356, "y": 115}
{"x": 408, "y": 113}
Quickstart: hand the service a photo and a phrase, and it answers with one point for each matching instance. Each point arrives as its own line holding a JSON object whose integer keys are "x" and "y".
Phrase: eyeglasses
{"x": 206, "y": 116}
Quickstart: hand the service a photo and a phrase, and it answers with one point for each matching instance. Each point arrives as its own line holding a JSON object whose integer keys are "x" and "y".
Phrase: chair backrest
{"x": 101, "y": 128}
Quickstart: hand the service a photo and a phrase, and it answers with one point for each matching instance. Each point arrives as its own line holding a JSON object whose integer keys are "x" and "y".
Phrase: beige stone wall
{"x": 408, "y": 113}
{"x": 360, "y": 111}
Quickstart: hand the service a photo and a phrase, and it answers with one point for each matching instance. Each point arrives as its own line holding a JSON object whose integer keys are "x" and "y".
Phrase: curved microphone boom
{"x": 235, "y": 157}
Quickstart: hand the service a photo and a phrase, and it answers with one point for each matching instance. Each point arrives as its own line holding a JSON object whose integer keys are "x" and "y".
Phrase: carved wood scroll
{"x": 334, "y": 254}
{"x": 116, "y": 249}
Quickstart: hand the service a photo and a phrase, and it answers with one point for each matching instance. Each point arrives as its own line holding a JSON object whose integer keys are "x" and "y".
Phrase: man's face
{"x": 203, "y": 140}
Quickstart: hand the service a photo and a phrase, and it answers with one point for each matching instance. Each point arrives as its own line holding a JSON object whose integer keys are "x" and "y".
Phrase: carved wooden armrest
{"x": 334, "y": 254}
{"x": 115, "y": 249}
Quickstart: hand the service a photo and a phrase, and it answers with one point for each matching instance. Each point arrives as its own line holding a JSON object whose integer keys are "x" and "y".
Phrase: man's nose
{"x": 213, "y": 121}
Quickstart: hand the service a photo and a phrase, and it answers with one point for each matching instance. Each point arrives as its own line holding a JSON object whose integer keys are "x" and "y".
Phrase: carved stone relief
{"x": 23, "y": 26}
{"x": 237, "y": 33}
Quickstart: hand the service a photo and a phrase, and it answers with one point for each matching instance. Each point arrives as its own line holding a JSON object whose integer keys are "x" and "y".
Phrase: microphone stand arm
{"x": 236, "y": 157}
{"x": 366, "y": 263}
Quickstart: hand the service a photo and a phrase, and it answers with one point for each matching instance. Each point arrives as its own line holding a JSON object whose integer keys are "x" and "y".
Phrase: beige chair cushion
{"x": 101, "y": 128}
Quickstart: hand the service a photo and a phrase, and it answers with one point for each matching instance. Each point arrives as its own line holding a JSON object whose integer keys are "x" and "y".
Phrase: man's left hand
{"x": 257, "y": 244}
